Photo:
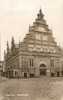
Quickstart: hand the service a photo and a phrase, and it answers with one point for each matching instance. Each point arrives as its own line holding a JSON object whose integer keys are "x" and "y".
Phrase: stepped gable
{"x": 40, "y": 37}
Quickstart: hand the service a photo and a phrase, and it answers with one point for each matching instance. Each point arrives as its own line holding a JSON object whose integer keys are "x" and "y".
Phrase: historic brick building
{"x": 38, "y": 54}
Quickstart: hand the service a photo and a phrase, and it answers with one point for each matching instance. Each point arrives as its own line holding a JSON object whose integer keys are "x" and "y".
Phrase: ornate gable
{"x": 40, "y": 37}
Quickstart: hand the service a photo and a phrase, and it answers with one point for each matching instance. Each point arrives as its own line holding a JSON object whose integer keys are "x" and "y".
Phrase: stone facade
{"x": 1, "y": 67}
{"x": 38, "y": 54}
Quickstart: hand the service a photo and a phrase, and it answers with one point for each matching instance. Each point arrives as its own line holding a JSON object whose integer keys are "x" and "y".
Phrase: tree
{"x": 12, "y": 44}
{"x": 7, "y": 47}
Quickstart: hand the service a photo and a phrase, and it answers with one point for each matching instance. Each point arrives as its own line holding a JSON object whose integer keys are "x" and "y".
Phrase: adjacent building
{"x": 37, "y": 55}
{"x": 1, "y": 67}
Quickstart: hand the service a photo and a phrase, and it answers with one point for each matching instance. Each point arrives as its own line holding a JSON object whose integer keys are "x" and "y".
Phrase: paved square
{"x": 32, "y": 89}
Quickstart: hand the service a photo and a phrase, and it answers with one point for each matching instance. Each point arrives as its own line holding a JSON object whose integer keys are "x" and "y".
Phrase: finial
{"x": 40, "y": 15}
{"x": 40, "y": 11}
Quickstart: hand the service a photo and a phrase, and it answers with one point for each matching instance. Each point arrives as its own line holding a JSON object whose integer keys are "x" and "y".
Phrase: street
{"x": 42, "y": 88}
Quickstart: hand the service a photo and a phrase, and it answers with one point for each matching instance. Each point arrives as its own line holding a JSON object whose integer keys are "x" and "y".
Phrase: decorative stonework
{"x": 38, "y": 46}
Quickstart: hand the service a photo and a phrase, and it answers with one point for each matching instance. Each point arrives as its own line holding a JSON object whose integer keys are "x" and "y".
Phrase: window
{"x": 52, "y": 62}
{"x": 41, "y": 29}
{"x": 30, "y": 45}
{"x": 44, "y": 37}
{"x": 31, "y": 62}
{"x": 38, "y": 36}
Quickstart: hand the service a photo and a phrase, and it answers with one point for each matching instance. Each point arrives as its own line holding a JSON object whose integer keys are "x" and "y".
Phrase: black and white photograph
{"x": 31, "y": 49}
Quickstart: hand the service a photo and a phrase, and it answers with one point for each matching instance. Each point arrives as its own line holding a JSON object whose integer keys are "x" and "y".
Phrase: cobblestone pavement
{"x": 32, "y": 89}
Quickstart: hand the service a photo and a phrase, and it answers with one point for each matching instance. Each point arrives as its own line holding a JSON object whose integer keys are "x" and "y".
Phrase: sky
{"x": 16, "y": 15}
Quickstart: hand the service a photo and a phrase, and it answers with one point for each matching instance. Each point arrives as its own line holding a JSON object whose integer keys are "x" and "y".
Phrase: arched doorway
{"x": 43, "y": 69}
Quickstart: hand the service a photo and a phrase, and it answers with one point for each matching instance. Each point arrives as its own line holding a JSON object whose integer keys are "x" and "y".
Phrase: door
{"x": 43, "y": 69}
{"x": 25, "y": 75}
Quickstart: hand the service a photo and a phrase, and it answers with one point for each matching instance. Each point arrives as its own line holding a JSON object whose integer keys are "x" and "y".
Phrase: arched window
{"x": 42, "y": 65}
